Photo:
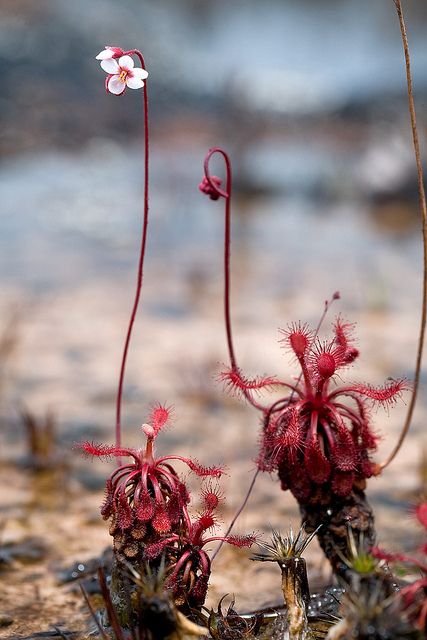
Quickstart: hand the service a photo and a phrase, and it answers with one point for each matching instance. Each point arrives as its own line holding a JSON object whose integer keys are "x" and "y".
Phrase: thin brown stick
{"x": 93, "y": 613}
{"x": 111, "y": 612}
{"x": 423, "y": 209}
{"x": 237, "y": 514}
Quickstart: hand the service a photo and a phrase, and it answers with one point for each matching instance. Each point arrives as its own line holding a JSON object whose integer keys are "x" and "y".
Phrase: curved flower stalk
{"x": 145, "y": 497}
{"x": 413, "y": 596}
{"x": 122, "y": 73}
{"x": 191, "y": 566}
{"x": 211, "y": 186}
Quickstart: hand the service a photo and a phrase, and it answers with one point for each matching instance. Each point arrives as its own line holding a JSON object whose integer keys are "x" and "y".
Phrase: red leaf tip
{"x": 297, "y": 337}
{"x": 242, "y": 541}
{"x": 159, "y": 417}
{"x": 96, "y": 449}
{"x": 212, "y": 496}
{"x": 236, "y": 382}
{"x": 388, "y": 394}
{"x": 202, "y": 471}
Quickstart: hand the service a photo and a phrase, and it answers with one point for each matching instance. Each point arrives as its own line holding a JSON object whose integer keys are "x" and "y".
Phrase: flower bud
{"x": 206, "y": 187}
{"x": 148, "y": 430}
{"x": 109, "y": 53}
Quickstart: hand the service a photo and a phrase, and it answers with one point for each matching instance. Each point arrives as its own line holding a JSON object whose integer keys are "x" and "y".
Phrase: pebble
{"x": 5, "y": 620}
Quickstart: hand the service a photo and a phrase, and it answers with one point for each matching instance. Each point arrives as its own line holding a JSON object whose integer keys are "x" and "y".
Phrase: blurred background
{"x": 309, "y": 99}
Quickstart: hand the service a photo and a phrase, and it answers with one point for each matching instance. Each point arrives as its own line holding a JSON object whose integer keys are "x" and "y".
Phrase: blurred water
{"x": 69, "y": 218}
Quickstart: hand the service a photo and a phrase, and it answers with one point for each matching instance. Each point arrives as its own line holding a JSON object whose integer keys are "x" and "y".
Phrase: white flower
{"x": 122, "y": 74}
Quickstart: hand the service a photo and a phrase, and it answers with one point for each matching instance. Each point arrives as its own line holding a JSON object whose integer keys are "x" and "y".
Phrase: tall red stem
{"x": 140, "y": 262}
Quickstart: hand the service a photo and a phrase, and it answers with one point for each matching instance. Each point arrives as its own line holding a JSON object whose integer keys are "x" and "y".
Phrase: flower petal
{"x": 110, "y": 66}
{"x": 140, "y": 73}
{"x": 115, "y": 85}
{"x": 134, "y": 83}
{"x": 105, "y": 54}
{"x": 126, "y": 62}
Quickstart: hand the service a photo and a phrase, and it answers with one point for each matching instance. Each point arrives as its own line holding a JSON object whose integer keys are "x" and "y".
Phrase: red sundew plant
{"x": 147, "y": 504}
{"x": 318, "y": 427}
{"x": 146, "y": 490}
{"x": 191, "y": 567}
{"x": 413, "y": 596}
